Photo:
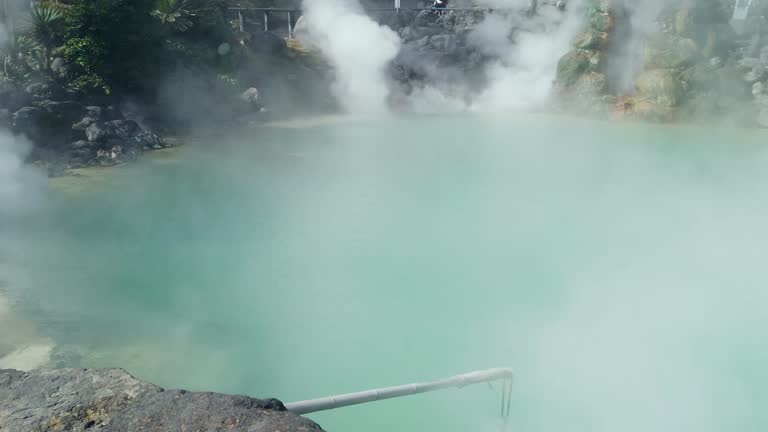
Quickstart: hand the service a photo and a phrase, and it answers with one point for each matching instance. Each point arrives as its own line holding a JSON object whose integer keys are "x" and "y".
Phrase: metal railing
{"x": 295, "y": 12}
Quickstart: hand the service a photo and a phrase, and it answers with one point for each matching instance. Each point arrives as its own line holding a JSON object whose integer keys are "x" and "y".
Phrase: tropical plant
{"x": 175, "y": 13}
{"x": 44, "y": 29}
{"x": 18, "y": 57}
{"x": 116, "y": 44}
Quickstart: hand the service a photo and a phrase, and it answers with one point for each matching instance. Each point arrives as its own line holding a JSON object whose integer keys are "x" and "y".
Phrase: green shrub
{"x": 117, "y": 45}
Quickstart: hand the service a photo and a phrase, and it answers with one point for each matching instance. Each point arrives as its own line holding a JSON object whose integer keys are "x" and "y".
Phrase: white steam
{"x": 358, "y": 48}
{"x": 522, "y": 76}
{"x": 18, "y": 181}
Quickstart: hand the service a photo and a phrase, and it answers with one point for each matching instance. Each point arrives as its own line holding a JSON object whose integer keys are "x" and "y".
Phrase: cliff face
{"x": 111, "y": 400}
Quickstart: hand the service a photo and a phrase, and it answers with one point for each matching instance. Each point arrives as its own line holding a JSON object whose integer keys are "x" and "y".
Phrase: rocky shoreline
{"x": 112, "y": 400}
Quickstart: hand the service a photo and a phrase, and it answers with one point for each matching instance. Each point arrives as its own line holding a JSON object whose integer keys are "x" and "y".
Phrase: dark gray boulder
{"x": 91, "y": 116}
{"x": 123, "y": 129}
{"x": 111, "y": 400}
{"x": 46, "y": 90}
{"x": 62, "y": 69}
{"x": 14, "y": 98}
{"x": 65, "y": 113}
{"x": 148, "y": 141}
{"x": 116, "y": 151}
{"x": 34, "y": 123}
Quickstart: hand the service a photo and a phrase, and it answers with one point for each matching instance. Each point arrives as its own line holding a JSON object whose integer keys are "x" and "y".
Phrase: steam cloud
{"x": 359, "y": 49}
{"x": 522, "y": 75}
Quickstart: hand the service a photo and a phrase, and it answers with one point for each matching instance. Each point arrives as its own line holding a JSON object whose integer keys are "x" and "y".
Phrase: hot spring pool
{"x": 619, "y": 269}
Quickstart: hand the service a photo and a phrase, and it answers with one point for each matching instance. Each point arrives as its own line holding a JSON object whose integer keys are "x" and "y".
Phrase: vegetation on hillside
{"x": 115, "y": 46}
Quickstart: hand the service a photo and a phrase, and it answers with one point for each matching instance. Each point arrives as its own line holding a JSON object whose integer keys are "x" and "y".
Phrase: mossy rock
{"x": 602, "y": 22}
{"x": 648, "y": 111}
{"x": 595, "y": 7}
{"x": 591, "y": 84}
{"x": 700, "y": 77}
{"x": 596, "y": 60}
{"x": 683, "y": 21}
{"x": 572, "y": 66}
{"x": 661, "y": 86}
{"x": 591, "y": 40}
{"x": 663, "y": 50}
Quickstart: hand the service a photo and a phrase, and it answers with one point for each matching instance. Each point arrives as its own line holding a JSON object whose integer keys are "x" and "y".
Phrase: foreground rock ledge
{"x": 109, "y": 400}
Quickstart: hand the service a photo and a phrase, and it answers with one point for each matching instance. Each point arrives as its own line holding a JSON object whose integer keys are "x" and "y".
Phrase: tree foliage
{"x": 44, "y": 29}
{"x": 116, "y": 44}
{"x": 175, "y": 13}
{"x": 18, "y": 58}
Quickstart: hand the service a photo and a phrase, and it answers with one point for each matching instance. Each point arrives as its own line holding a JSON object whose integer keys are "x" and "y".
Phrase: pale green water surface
{"x": 619, "y": 269}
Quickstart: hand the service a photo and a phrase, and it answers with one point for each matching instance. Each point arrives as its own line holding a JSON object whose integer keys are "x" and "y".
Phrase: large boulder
{"x": 14, "y": 98}
{"x": 591, "y": 40}
{"x": 64, "y": 114}
{"x": 121, "y": 129}
{"x": 117, "y": 151}
{"x": 29, "y": 118}
{"x": 46, "y": 90}
{"x": 92, "y": 115}
{"x": 572, "y": 66}
{"x": 111, "y": 400}
{"x": 663, "y": 50}
{"x": 62, "y": 69}
{"x": 34, "y": 123}
{"x": 661, "y": 86}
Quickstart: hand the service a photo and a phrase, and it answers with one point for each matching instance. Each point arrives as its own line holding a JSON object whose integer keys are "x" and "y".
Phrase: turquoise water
{"x": 619, "y": 269}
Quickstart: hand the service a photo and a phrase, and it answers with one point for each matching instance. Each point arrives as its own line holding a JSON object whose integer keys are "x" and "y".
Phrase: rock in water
{"x": 660, "y": 86}
{"x": 101, "y": 131}
{"x": 113, "y": 401}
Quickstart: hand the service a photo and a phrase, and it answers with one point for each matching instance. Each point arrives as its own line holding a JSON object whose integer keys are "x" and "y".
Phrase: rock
{"x": 44, "y": 90}
{"x": 602, "y": 22}
{"x": 224, "y": 49}
{"x": 81, "y": 144}
{"x": 572, "y": 66}
{"x": 761, "y": 101}
{"x": 111, "y": 400}
{"x": 64, "y": 113}
{"x": 660, "y": 86}
{"x": 32, "y": 122}
{"x": 748, "y": 63}
{"x": 83, "y": 124}
{"x": 117, "y": 151}
{"x": 111, "y": 112}
{"x": 14, "y": 98}
{"x": 251, "y": 95}
{"x": 425, "y": 18}
{"x": 591, "y": 84}
{"x": 5, "y": 117}
{"x": 590, "y": 40}
{"x": 62, "y": 69}
{"x": 148, "y": 141}
{"x": 441, "y": 42}
{"x": 667, "y": 51}
{"x": 122, "y": 129}
{"x": 756, "y": 74}
{"x": 648, "y": 111}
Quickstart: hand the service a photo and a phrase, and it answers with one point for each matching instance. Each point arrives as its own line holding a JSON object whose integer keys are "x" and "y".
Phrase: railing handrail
{"x": 271, "y": 9}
